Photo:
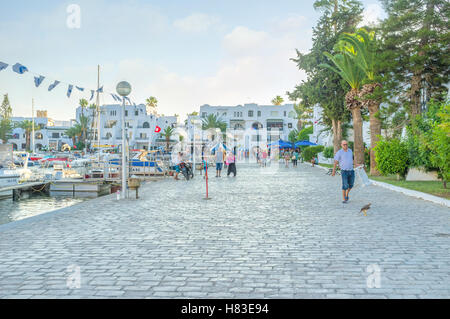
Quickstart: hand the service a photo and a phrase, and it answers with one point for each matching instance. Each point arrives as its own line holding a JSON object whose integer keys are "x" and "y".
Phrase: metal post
{"x": 32, "y": 132}
{"x": 124, "y": 176}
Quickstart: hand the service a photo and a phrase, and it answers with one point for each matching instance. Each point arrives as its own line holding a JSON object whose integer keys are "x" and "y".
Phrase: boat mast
{"x": 32, "y": 126}
{"x": 98, "y": 112}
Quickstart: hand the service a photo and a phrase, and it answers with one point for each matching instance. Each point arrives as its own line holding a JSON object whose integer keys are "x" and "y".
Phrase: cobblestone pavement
{"x": 265, "y": 234}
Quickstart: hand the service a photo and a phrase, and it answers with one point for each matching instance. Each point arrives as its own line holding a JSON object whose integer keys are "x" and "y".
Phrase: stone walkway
{"x": 273, "y": 233}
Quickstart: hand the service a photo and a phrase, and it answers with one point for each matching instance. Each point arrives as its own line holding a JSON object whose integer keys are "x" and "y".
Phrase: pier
{"x": 17, "y": 191}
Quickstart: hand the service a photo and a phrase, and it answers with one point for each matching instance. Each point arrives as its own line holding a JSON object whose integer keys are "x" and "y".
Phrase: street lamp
{"x": 123, "y": 89}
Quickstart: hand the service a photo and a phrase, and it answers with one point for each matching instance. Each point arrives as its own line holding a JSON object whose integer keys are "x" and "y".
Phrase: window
{"x": 146, "y": 125}
{"x": 108, "y": 136}
{"x": 250, "y": 113}
{"x": 259, "y": 113}
{"x": 204, "y": 114}
{"x": 126, "y": 113}
{"x": 284, "y": 113}
{"x": 289, "y": 125}
{"x": 143, "y": 135}
{"x": 112, "y": 113}
{"x": 224, "y": 114}
{"x": 274, "y": 113}
{"x": 55, "y": 135}
{"x": 137, "y": 113}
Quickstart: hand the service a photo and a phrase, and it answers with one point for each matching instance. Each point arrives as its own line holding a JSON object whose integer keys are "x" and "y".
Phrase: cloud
{"x": 372, "y": 14}
{"x": 196, "y": 22}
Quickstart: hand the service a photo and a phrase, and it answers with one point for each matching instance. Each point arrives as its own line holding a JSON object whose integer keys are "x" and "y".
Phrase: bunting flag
{"x": 126, "y": 98}
{"x": 118, "y": 98}
{"x": 114, "y": 97}
{"x": 69, "y": 90}
{"x": 158, "y": 129}
{"x": 38, "y": 80}
{"x": 52, "y": 86}
{"x": 19, "y": 68}
{"x": 79, "y": 89}
{"x": 92, "y": 95}
{"x": 100, "y": 90}
{"x": 3, "y": 66}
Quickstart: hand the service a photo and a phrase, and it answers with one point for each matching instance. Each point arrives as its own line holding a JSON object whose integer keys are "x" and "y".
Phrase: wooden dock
{"x": 16, "y": 191}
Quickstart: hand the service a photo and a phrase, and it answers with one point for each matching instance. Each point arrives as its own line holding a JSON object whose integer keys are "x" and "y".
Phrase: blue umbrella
{"x": 305, "y": 143}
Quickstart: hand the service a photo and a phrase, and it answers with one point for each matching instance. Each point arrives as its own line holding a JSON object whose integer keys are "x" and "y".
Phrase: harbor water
{"x": 35, "y": 205}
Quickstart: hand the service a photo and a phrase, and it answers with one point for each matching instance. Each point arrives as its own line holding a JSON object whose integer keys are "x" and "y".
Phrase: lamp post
{"x": 123, "y": 89}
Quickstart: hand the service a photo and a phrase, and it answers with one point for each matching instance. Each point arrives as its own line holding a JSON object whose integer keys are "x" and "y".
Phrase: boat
{"x": 141, "y": 165}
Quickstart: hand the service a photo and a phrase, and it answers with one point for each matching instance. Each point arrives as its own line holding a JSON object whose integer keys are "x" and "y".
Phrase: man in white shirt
{"x": 344, "y": 157}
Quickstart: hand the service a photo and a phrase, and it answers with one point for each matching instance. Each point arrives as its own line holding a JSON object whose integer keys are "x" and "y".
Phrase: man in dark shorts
{"x": 344, "y": 157}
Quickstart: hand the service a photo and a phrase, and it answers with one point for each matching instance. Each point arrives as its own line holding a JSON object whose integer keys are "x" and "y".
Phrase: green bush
{"x": 329, "y": 152}
{"x": 391, "y": 157}
{"x": 311, "y": 152}
{"x": 304, "y": 134}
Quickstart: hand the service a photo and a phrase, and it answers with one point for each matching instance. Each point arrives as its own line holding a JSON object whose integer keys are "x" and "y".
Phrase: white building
{"x": 140, "y": 126}
{"x": 49, "y": 134}
{"x": 277, "y": 121}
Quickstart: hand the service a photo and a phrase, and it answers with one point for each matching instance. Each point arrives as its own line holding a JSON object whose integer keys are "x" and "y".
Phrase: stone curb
{"x": 408, "y": 192}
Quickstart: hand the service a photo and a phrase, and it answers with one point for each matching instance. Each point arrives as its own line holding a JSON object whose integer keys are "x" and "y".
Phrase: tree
{"x": 278, "y": 100}
{"x": 74, "y": 133}
{"x": 212, "y": 121}
{"x": 414, "y": 53}
{"x": 324, "y": 87}
{"x": 167, "y": 133}
{"x": 27, "y": 126}
{"x": 365, "y": 46}
{"x": 5, "y": 121}
{"x": 83, "y": 103}
{"x": 5, "y": 109}
{"x": 84, "y": 124}
{"x": 345, "y": 66}
{"x": 293, "y": 136}
{"x": 152, "y": 104}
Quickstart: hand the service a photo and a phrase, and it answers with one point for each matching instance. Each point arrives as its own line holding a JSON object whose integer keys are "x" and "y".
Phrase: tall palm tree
{"x": 346, "y": 67}
{"x": 167, "y": 133}
{"x": 278, "y": 100}
{"x": 152, "y": 104}
{"x": 83, "y": 103}
{"x": 364, "y": 44}
{"x": 84, "y": 124}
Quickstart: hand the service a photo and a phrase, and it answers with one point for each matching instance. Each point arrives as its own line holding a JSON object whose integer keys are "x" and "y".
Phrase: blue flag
{"x": 118, "y": 98}
{"x": 3, "y": 66}
{"x": 113, "y": 97}
{"x": 79, "y": 89}
{"x": 38, "y": 80}
{"x": 52, "y": 86}
{"x": 19, "y": 68}
{"x": 92, "y": 95}
{"x": 69, "y": 90}
{"x": 100, "y": 90}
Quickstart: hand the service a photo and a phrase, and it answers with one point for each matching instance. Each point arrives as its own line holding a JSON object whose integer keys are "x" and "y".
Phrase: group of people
{"x": 228, "y": 157}
{"x": 291, "y": 156}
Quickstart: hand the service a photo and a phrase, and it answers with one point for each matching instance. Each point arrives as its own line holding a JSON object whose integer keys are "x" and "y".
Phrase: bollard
{"x": 118, "y": 194}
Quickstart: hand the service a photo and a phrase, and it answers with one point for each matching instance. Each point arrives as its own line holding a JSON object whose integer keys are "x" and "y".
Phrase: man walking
{"x": 220, "y": 156}
{"x": 344, "y": 157}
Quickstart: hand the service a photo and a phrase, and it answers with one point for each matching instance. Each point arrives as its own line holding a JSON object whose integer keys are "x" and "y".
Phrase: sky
{"x": 185, "y": 53}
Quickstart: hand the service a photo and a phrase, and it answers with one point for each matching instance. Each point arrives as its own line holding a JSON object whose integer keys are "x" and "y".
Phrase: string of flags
{"x": 39, "y": 79}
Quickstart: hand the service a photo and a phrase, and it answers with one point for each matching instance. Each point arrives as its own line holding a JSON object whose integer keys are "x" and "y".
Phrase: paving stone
{"x": 267, "y": 233}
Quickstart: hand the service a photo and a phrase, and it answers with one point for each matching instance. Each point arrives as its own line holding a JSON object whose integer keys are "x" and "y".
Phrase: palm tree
{"x": 346, "y": 67}
{"x": 74, "y": 133}
{"x": 152, "y": 104}
{"x": 84, "y": 124}
{"x": 27, "y": 126}
{"x": 212, "y": 121}
{"x": 83, "y": 103}
{"x": 278, "y": 100}
{"x": 364, "y": 44}
{"x": 167, "y": 133}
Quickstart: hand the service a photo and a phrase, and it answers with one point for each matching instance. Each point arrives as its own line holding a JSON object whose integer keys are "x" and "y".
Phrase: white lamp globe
{"x": 123, "y": 88}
